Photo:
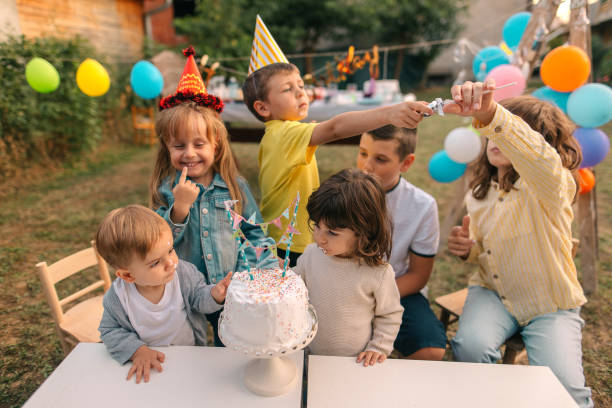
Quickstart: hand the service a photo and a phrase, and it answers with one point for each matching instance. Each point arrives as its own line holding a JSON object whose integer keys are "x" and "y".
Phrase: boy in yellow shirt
{"x": 275, "y": 94}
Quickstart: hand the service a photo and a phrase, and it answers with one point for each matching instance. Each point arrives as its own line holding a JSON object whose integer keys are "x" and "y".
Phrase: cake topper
{"x": 236, "y": 219}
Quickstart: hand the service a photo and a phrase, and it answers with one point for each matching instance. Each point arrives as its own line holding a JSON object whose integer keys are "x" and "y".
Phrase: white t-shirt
{"x": 414, "y": 214}
{"x": 161, "y": 324}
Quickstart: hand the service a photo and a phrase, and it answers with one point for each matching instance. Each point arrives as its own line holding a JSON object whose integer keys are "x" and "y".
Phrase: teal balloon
{"x": 487, "y": 59}
{"x": 41, "y": 75}
{"x": 146, "y": 80}
{"x": 514, "y": 28}
{"x": 590, "y": 106}
{"x": 550, "y": 95}
{"x": 443, "y": 169}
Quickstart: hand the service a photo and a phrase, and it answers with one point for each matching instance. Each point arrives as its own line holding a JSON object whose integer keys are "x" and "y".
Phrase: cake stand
{"x": 270, "y": 373}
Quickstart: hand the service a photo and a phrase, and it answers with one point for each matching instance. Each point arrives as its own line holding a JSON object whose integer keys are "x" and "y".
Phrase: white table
{"x": 340, "y": 382}
{"x": 191, "y": 377}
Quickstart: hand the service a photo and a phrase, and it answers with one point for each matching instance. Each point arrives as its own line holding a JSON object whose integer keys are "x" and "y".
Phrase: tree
{"x": 300, "y": 25}
{"x": 221, "y": 29}
{"x": 224, "y": 28}
{"x": 407, "y": 22}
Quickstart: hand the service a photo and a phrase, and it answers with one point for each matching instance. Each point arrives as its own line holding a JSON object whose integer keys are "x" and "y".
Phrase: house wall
{"x": 114, "y": 27}
{"x": 160, "y": 26}
{"x": 9, "y": 19}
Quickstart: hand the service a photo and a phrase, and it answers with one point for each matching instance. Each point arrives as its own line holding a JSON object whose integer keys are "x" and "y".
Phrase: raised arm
{"x": 406, "y": 114}
{"x": 536, "y": 161}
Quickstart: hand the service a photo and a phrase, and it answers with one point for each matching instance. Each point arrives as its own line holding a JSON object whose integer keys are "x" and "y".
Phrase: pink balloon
{"x": 506, "y": 74}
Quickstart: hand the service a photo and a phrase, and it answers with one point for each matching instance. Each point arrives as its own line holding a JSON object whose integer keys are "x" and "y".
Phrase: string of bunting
{"x": 236, "y": 219}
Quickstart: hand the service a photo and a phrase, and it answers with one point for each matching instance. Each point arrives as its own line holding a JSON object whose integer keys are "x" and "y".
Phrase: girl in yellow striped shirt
{"x": 518, "y": 231}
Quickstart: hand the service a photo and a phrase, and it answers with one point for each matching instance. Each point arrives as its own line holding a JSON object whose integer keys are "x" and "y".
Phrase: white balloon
{"x": 463, "y": 144}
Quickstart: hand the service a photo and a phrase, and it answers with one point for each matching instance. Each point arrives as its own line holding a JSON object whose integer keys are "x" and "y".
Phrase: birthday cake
{"x": 266, "y": 310}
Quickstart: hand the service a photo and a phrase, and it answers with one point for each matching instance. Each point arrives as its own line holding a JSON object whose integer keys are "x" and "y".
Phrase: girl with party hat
{"x": 194, "y": 175}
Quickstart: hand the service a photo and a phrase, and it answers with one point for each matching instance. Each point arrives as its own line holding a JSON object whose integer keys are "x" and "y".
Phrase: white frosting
{"x": 267, "y": 312}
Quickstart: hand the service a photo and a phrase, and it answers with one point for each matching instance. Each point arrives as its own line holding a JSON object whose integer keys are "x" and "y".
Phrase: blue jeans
{"x": 552, "y": 339}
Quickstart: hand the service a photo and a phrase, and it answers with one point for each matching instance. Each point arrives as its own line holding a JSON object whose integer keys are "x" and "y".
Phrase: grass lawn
{"x": 58, "y": 214}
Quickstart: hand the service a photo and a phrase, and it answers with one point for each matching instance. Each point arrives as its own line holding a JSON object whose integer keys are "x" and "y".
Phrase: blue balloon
{"x": 595, "y": 145}
{"x": 443, "y": 169}
{"x": 487, "y": 59}
{"x": 590, "y": 105}
{"x": 146, "y": 80}
{"x": 514, "y": 29}
{"x": 550, "y": 95}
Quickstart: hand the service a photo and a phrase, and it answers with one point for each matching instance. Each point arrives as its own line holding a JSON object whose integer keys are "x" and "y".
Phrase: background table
{"x": 191, "y": 377}
{"x": 340, "y": 382}
{"x": 244, "y": 127}
{"x": 237, "y": 112}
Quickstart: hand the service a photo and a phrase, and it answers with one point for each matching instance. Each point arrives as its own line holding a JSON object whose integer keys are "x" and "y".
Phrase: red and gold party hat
{"x": 191, "y": 88}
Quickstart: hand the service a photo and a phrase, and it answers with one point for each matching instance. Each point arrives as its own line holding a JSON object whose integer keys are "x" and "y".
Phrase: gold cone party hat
{"x": 265, "y": 50}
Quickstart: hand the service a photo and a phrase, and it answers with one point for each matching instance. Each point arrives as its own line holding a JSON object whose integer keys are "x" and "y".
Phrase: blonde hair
{"x": 169, "y": 123}
{"x": 546, "y": 119}
{"x": 128, "y": 231}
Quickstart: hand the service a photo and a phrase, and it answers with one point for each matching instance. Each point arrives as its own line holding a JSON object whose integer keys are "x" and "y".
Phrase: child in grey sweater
{"x": 159, "y": 300}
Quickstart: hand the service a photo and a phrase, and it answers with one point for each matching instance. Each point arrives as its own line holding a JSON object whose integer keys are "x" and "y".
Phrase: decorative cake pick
{"x": 228, "y": 205}
{"x": 236, "y": 219}
{"x": 291, "y": 231}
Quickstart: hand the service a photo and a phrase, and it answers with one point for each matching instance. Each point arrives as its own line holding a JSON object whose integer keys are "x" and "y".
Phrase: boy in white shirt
{"x": 387, "y": 152}
{"x": 159, "y": 300}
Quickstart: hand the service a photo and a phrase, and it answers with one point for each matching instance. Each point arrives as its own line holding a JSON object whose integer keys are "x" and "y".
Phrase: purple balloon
{"x": 595, "y": 145}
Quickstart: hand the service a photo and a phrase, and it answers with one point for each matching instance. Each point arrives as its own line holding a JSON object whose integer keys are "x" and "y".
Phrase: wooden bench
{"x": 451, "y": 306}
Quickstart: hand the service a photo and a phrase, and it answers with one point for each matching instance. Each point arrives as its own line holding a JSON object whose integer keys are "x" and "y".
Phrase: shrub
{"x": 56, "y": 126}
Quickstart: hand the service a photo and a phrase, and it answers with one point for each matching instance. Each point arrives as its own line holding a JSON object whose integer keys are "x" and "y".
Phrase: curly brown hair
{"x": 355, "y": 200}
{"x": 546, "y": 119}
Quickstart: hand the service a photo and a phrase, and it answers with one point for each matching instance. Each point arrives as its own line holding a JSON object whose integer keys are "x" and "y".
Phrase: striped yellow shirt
{"x": 523, "y": 237}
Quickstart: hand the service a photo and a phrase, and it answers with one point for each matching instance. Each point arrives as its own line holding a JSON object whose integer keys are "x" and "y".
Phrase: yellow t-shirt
{"x": 287, "y": 164}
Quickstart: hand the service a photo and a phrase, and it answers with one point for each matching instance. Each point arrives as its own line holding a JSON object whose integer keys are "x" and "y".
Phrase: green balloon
{"x": 41, "y": 75}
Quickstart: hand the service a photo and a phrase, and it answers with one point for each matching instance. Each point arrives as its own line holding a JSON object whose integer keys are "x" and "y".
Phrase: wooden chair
{"x": 143, "y": 121}
{"x": 80, "y": 322}
{"x": 451, "y": 306}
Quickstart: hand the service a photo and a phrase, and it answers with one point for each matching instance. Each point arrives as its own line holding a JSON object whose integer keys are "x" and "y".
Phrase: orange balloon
{"x": 587, "y": 180}
{"x": 565, "y": 68}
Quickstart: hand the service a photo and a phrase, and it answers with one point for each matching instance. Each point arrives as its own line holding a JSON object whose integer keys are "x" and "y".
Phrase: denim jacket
{"x": 206, "y": 237}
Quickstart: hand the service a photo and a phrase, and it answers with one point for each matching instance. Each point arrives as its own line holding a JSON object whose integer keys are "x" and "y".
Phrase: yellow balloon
{"x": 505, "y": 48}
{"x": 92, "y": 78}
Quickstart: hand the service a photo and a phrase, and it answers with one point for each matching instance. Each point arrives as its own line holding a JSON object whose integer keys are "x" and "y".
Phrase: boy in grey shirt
{"x": 159, "y": 300}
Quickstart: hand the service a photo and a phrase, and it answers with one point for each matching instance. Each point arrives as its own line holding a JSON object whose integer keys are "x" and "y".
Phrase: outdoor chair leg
{"x": 444, "y": 318}
{"x": 509, "y": 356}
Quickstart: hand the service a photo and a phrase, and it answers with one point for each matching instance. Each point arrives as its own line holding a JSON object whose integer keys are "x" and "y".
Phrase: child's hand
{"x": 219, "y": 291}
{"x": 370, "y": 357}
{"x": 142, "y": 360}
{"x": 408, "y": 114}
{"x": 459, "y": 242}
{"x": 472, "y": 100}
{"x": 185, "y": 193}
